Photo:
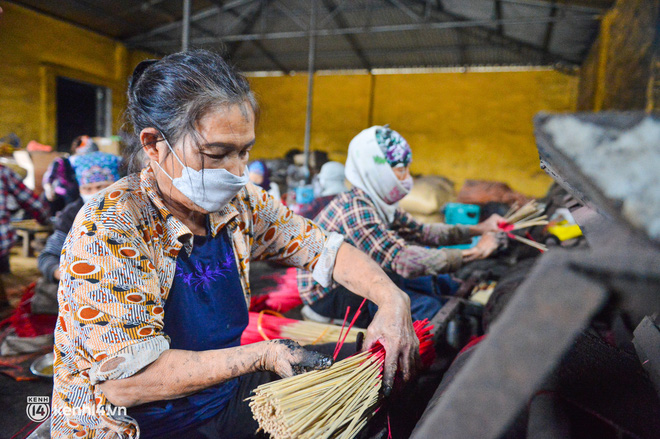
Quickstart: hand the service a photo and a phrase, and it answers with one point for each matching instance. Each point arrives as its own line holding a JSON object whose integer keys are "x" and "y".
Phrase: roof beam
{"x": 462, "y": 23}
{"x": 547, "y": 38}
{"x": 462, "y": 48}
{"x": 484, "y": 33}
{"x": 249, "y": 25}
{"x": 498, "y": 15}
{"x": 341, "y": 22}
{"x": 428, "y": 7}
{"x": 406, "y": 10}
{"x": 205, "y": 13}
{"x": 331, "y": 15}
{"x": 289, "y": 13}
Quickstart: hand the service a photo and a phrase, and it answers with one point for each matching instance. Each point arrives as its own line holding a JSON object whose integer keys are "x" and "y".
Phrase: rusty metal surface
{"x": 523, "y": 347}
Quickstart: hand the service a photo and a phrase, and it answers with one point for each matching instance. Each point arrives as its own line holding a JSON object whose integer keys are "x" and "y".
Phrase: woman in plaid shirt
{"x": 154, "y": 289}
{"x": 12, "y": 186}
{"x": 368, "y": 216}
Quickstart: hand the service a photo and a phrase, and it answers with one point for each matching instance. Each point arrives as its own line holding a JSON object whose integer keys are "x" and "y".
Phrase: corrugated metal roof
{"x": 265, "y": 35}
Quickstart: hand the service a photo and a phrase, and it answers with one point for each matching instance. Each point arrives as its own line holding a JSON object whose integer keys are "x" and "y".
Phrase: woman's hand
{"x": 392, "y": 327}
{"x": 484, "y": 248}
{"x": 392, "y": 324}
{"x": 488, "y": 225}
{"x": 287, "y": 358}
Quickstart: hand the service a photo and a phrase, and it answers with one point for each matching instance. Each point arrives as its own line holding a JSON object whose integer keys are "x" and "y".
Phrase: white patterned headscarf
{"x": 331, "y": 179}
{"x": 371, "y": 156}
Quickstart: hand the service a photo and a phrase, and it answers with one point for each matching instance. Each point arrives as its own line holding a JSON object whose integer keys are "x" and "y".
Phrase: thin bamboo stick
{"x": 530, "y": 243}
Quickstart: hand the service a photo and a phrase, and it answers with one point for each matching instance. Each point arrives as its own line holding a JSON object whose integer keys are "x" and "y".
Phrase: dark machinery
{"x": 610, "y": 163}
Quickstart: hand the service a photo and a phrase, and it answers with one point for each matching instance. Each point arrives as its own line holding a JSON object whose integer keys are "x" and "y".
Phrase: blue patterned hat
{"x": 96, "y": 166}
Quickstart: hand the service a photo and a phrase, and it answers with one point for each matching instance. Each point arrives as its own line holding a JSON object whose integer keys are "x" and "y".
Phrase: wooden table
{"x": 27, "y": 229}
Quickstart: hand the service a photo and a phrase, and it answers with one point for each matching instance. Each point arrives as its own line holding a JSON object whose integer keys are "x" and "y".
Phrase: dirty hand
{"x": 488, "y": 243}
{"x": 392, "y": 327}
{"x": 489, "y": 225}
{"x": 287, "y": 358}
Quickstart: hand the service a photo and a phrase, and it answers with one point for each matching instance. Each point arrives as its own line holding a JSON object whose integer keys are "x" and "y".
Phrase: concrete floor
{"x": 13, "y": 394}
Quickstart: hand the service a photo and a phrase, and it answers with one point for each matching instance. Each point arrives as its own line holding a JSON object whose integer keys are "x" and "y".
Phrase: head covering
{"x": 369, "y": 167}
{"x": 85, "y": 146}
{"x": 96, "y": 166}
{"x": 394, "y": 146}
{"x": 331, "y": 179}
{"x": 259, "y": 167}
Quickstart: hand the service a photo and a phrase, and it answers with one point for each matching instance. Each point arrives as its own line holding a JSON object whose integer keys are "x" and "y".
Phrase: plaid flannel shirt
{"x": 11, "y": 185}
{"x": 354, "y": 215}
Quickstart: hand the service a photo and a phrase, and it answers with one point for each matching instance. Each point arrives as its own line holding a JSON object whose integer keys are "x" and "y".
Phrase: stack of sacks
{"x": 428, "y": 195}
{"x": 483, "y": 192}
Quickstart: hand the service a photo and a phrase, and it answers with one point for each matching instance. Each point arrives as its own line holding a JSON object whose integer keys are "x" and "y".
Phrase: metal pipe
{"x": 310, "y": 81}
{"x": 185, "y": 29}
{"x": 385, "y": 28}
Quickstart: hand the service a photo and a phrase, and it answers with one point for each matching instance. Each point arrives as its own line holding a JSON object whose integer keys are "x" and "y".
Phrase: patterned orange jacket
{"x": 117, "y": 268}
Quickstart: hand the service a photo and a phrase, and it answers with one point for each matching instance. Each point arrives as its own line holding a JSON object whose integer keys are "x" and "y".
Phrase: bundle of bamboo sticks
{"x": 529, "y": 215}
{"x": 335, "y": 403}
{"x": 269, "y": 325}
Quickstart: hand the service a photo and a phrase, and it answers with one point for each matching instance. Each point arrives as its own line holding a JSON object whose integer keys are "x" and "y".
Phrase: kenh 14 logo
{"x": 38, "y": 408}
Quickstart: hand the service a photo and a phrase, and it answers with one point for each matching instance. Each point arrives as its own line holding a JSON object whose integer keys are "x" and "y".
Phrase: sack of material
{"x": 483, "y": 192}
{"x": 428, "y": 195}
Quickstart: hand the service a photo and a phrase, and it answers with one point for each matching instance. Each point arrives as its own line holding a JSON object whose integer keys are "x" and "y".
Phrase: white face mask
{"x": 210, "y": 189}
{"x": 407, "y": 183}
{"x": 86, "y": 198}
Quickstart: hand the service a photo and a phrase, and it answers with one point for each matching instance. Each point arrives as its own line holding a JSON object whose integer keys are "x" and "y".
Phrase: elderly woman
{"x": 154, "y": 287}
{"x": 378, "y": 167}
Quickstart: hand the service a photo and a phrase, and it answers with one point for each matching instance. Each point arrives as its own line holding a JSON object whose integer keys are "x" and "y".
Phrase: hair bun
{"x": 139, "y": 70}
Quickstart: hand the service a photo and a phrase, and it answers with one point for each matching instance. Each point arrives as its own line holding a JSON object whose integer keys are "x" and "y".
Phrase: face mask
{"x": 211, "y": 189}
{"x": 86, "y": 198}
{"x": 407, "y": 183}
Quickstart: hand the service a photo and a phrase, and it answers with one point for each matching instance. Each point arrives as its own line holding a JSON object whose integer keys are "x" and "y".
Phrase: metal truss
{"x": 421, "y": 15}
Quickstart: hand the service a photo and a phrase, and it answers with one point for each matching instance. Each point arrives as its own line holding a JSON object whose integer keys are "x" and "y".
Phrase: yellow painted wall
{"x": 460, "y": 125}
{"x": 34, "y": 50}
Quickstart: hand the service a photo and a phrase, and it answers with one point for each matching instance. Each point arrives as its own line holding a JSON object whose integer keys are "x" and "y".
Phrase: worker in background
{"x": 94, "y": 172}
{"x": 260, "y": 175}
{"x": 327, "y": 184}
{"x": 11, "y": 186}
{"x": 368, "y": 216}
{"x": 154, "y": 288}
{"x": 59, "y": 180}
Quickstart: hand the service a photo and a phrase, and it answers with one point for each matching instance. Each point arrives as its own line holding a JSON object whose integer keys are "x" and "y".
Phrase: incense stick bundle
{"x": 264, "y": 326}
{"x": 335, "y": 403}
{"x": 529, "y": 215}
{"x": 530, "y": 212}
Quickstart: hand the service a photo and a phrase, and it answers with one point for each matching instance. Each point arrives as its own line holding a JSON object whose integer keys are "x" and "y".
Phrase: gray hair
{"x": 174, "y": 93}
